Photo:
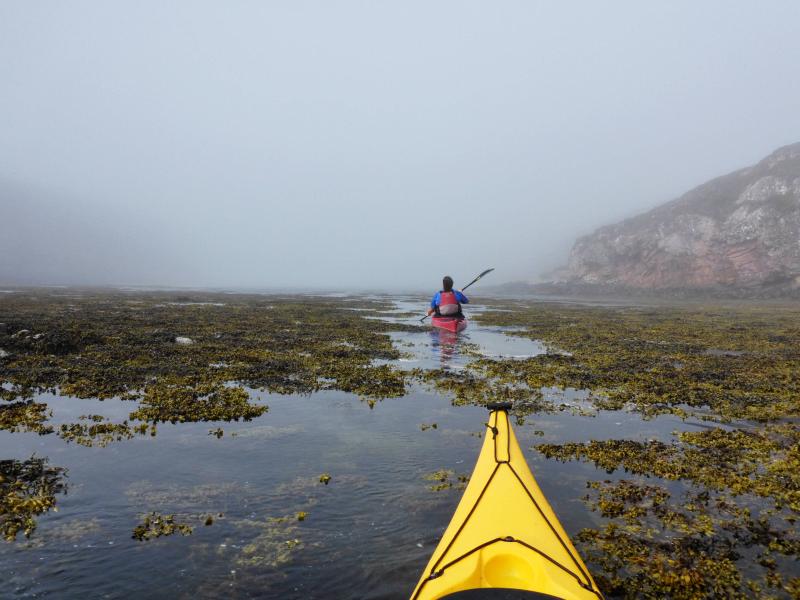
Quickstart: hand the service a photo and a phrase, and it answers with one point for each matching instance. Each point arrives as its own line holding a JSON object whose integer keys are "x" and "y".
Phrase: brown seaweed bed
{"x": 710, "y": 512}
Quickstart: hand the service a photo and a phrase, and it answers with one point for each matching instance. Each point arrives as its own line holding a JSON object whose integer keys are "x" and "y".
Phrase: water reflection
{"x": 444, "y": 346}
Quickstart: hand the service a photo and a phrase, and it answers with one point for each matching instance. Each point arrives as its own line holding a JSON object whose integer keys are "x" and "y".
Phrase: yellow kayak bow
{"x": 504, "y": 534}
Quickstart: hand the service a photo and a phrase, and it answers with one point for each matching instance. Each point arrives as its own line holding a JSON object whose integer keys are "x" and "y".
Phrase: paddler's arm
{"x": 461, "y": 297}
{"x": 434, "y": 304}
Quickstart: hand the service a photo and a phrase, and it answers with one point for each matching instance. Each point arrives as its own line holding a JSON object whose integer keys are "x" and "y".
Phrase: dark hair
{"x": 447, "y": 283}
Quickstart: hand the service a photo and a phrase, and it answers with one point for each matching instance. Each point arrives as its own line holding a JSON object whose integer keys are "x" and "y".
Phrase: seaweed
{"x": 445, "y": 479}
{"x": 103, "y": 345}
{"x": 155, "y": 525}
{"x": 70, "y": 532}
{"x": 101, "y": 432}
{"x": 698, "y": 545}
{"x": 182, "y": 400}
{"x": 709, "y": 513}
{"x": 25, "y": 415}
{"x": 272, "y": 547}
{"x": 764, "y": 462}
{"x": 27, "y": 489}
{"x": 739, "y": 362}
{"x": 704, "y": 543}
{"x": 209, "y": 497}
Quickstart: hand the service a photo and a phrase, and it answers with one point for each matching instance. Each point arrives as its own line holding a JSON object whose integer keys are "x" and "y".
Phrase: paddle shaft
{"x": 476, "y": 279}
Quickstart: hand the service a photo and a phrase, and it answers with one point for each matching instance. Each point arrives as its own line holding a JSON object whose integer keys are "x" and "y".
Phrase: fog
{"x": 366, "y": 144}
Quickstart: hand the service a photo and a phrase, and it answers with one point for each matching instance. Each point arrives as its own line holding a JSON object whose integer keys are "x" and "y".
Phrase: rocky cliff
{"x": 737, "y": 232}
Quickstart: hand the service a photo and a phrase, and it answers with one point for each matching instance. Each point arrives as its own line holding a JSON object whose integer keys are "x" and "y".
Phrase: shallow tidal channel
{"x": 326, "y": 495}
{"x": 367, "y": 534}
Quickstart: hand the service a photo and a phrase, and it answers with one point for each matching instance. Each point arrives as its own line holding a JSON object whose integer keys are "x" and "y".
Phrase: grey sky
{"x": 366, "y": 143}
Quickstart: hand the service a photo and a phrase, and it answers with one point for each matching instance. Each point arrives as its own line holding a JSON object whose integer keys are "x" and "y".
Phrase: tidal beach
{"x": 198, "y": 444}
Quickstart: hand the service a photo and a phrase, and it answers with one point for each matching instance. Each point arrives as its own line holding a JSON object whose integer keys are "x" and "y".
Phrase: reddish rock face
{"x": 739, "y": 230}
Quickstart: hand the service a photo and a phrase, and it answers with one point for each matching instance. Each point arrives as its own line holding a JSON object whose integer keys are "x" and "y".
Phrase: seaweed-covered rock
{"x": 103, "y": 345}
{"x": 180, "y": 401}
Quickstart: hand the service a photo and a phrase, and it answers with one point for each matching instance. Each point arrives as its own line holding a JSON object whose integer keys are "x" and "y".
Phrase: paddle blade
{"x": 477, "y": 278}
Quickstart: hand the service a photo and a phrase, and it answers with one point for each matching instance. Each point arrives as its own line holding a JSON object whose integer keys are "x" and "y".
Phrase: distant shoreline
{"x": 585, "y": 291}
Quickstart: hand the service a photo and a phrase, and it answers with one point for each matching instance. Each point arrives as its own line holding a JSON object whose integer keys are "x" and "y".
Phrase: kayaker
{"x": 447, "y": 302}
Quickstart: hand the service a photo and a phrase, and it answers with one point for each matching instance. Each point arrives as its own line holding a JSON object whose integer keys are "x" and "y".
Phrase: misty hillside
{"x": 740, "y": 231}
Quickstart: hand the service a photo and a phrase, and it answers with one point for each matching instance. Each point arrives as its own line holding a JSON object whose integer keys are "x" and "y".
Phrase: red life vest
{"x": 448, "y": 305}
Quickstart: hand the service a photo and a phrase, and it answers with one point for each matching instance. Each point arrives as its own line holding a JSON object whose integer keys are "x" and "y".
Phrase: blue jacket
{"x": 459, "y": 296}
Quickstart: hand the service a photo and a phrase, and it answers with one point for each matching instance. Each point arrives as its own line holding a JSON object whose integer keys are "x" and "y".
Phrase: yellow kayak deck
{"x": 504, "y": 534}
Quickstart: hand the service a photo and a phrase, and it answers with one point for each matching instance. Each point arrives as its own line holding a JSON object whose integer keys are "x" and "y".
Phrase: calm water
{"x": 368, "y": 533}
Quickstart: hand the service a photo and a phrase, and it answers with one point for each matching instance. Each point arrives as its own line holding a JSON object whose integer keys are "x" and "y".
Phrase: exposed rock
{"x": 62, "y": 343}
{"x": 739, "y": 231}
{"x": 184, "y": 340}
{"x": 3, "y": 353}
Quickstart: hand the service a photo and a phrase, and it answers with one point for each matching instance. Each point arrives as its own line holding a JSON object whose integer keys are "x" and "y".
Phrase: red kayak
{"x": 454, "y": 324}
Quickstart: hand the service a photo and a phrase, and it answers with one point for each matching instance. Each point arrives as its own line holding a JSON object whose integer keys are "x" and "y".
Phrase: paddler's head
{"x": 447, "y": 283}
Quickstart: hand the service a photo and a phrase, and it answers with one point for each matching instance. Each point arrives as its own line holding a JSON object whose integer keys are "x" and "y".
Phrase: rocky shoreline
{"x": 577, "y": 290}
